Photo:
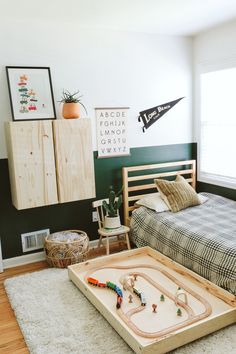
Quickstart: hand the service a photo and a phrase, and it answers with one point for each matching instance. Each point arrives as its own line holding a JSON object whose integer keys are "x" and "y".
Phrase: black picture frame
{"x": 31, "y": 93}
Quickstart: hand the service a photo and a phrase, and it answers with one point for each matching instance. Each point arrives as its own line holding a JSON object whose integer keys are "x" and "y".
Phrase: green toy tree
{"x": 179, "y": 312}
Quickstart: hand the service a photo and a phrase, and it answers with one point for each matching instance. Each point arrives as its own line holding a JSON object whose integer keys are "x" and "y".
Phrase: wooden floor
{"x": 11, "y": 339}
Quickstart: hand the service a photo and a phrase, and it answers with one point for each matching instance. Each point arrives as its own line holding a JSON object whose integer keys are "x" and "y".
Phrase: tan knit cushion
{"x": 177, "y": 194}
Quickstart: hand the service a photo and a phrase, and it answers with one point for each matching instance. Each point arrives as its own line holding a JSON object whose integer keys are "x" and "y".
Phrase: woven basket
{"x": 66, "y": 247}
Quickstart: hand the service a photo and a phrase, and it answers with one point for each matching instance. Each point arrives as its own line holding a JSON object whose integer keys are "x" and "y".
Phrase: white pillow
{"x": 153, "y": 201}
{"x": 202, "y": 198}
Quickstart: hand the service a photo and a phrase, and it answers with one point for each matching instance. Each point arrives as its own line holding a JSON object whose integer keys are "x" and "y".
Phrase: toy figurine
{"x": 135, "y": 277}
{"x": 179, "y": 312}
{"x": 154, "y": 307}
{"x": 162, "y": 297}
{"x": 130, "y": 299}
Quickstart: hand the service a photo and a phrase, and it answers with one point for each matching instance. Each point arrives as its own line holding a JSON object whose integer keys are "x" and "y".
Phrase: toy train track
{"x": 126, "y": 317}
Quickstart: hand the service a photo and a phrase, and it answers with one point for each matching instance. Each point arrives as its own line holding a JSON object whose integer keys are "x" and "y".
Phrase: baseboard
{"x": 25, "y": 259}
{"x": 34, "y": 257}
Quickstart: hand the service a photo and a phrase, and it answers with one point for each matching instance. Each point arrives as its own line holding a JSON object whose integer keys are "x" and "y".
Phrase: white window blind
{"x": 217, "y": 145}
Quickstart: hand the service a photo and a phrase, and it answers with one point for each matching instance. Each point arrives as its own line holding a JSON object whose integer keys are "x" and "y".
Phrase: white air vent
{"x": 33, "y": 240}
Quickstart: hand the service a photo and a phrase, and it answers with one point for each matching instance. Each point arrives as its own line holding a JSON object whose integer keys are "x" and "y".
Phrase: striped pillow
{"x": 177, "y": 194}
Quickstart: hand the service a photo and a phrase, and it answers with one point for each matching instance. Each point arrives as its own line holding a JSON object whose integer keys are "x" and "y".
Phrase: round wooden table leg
{"x": 107, "y": 245}
{"x": 127, "y": 241}
{"x": 100, "y": 241}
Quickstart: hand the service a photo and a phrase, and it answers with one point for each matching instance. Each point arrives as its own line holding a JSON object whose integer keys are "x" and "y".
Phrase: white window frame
{"x": 207, "y": 67}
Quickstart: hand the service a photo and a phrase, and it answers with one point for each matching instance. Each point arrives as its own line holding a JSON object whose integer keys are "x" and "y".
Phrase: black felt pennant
{"x": 151, "y": 115}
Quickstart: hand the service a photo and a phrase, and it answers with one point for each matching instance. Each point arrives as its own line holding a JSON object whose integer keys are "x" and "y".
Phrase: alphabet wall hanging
{"x": 151, "y": 115}
{"x": 112, "y": 131}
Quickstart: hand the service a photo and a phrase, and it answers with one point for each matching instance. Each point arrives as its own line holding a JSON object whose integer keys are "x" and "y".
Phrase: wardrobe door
{"x": 31, "y": 163}
{"x": 74, "y": 159}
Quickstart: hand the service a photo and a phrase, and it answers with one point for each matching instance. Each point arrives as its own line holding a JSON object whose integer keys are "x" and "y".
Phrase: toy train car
{"x": 119, "y": 301}
{"x": 118, "y": 291}
{"x": 111, "y": 285}
{"x": 93, "y": 281}
{"x": 140, "y": 295}
{"x": 143, "y": 300}
{"x": 136, "y": 291}
{"x": 102, "y": 285}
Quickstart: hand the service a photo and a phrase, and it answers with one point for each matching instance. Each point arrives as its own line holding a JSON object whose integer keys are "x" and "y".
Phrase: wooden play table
{"x": 156, "y": 304}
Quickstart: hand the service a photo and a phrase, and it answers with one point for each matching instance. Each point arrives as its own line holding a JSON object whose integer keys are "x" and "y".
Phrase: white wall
{"x": 215, "y": 48}
{"x": 215, "y": 45}
{"x": 110, "y": 68}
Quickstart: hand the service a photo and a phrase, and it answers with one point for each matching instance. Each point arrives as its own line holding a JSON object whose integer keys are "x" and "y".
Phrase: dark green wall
{"x": 76, "y": 215}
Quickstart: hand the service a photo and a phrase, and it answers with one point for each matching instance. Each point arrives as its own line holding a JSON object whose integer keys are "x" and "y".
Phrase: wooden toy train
{"x": 108, "y": 285}
{"x": 117, "y": 290}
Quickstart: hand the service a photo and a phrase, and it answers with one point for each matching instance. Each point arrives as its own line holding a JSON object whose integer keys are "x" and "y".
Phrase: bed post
{"x": 194, "y": 174}
{"x": 125, "y": 196}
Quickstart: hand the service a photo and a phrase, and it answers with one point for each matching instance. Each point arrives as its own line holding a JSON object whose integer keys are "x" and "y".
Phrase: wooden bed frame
{"x": 139, "y": 180}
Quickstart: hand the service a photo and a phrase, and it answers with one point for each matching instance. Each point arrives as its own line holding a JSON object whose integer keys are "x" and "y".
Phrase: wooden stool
{"x": 103, "y": 232}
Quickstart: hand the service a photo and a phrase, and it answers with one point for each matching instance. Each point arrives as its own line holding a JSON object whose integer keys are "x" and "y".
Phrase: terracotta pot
{"x": 112, "y": 222}
{"x": 71, "y": 110}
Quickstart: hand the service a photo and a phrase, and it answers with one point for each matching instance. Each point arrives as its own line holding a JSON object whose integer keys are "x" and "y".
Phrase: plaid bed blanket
{"x": 201, "y": 238}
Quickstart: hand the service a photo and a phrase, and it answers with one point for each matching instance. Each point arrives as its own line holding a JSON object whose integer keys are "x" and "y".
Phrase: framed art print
{"x": 31, "y": 93}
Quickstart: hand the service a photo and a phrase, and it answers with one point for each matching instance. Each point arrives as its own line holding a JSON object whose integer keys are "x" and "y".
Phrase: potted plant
{"x": 112, "y": 218}
{"x": 71, "y": 104}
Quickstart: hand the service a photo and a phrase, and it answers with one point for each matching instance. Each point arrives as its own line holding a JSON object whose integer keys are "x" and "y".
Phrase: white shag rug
{"x": 56, "y": 318}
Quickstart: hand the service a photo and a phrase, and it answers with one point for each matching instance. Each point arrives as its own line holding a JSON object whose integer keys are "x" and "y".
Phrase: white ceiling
{"x": 174, "y": 17}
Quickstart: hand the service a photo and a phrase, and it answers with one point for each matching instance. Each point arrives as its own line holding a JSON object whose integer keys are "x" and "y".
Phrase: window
{"x": 217, "y": 128}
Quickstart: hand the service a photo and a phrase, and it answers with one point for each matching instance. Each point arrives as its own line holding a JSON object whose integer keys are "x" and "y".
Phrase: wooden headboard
{"x": 139, "y": 180}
